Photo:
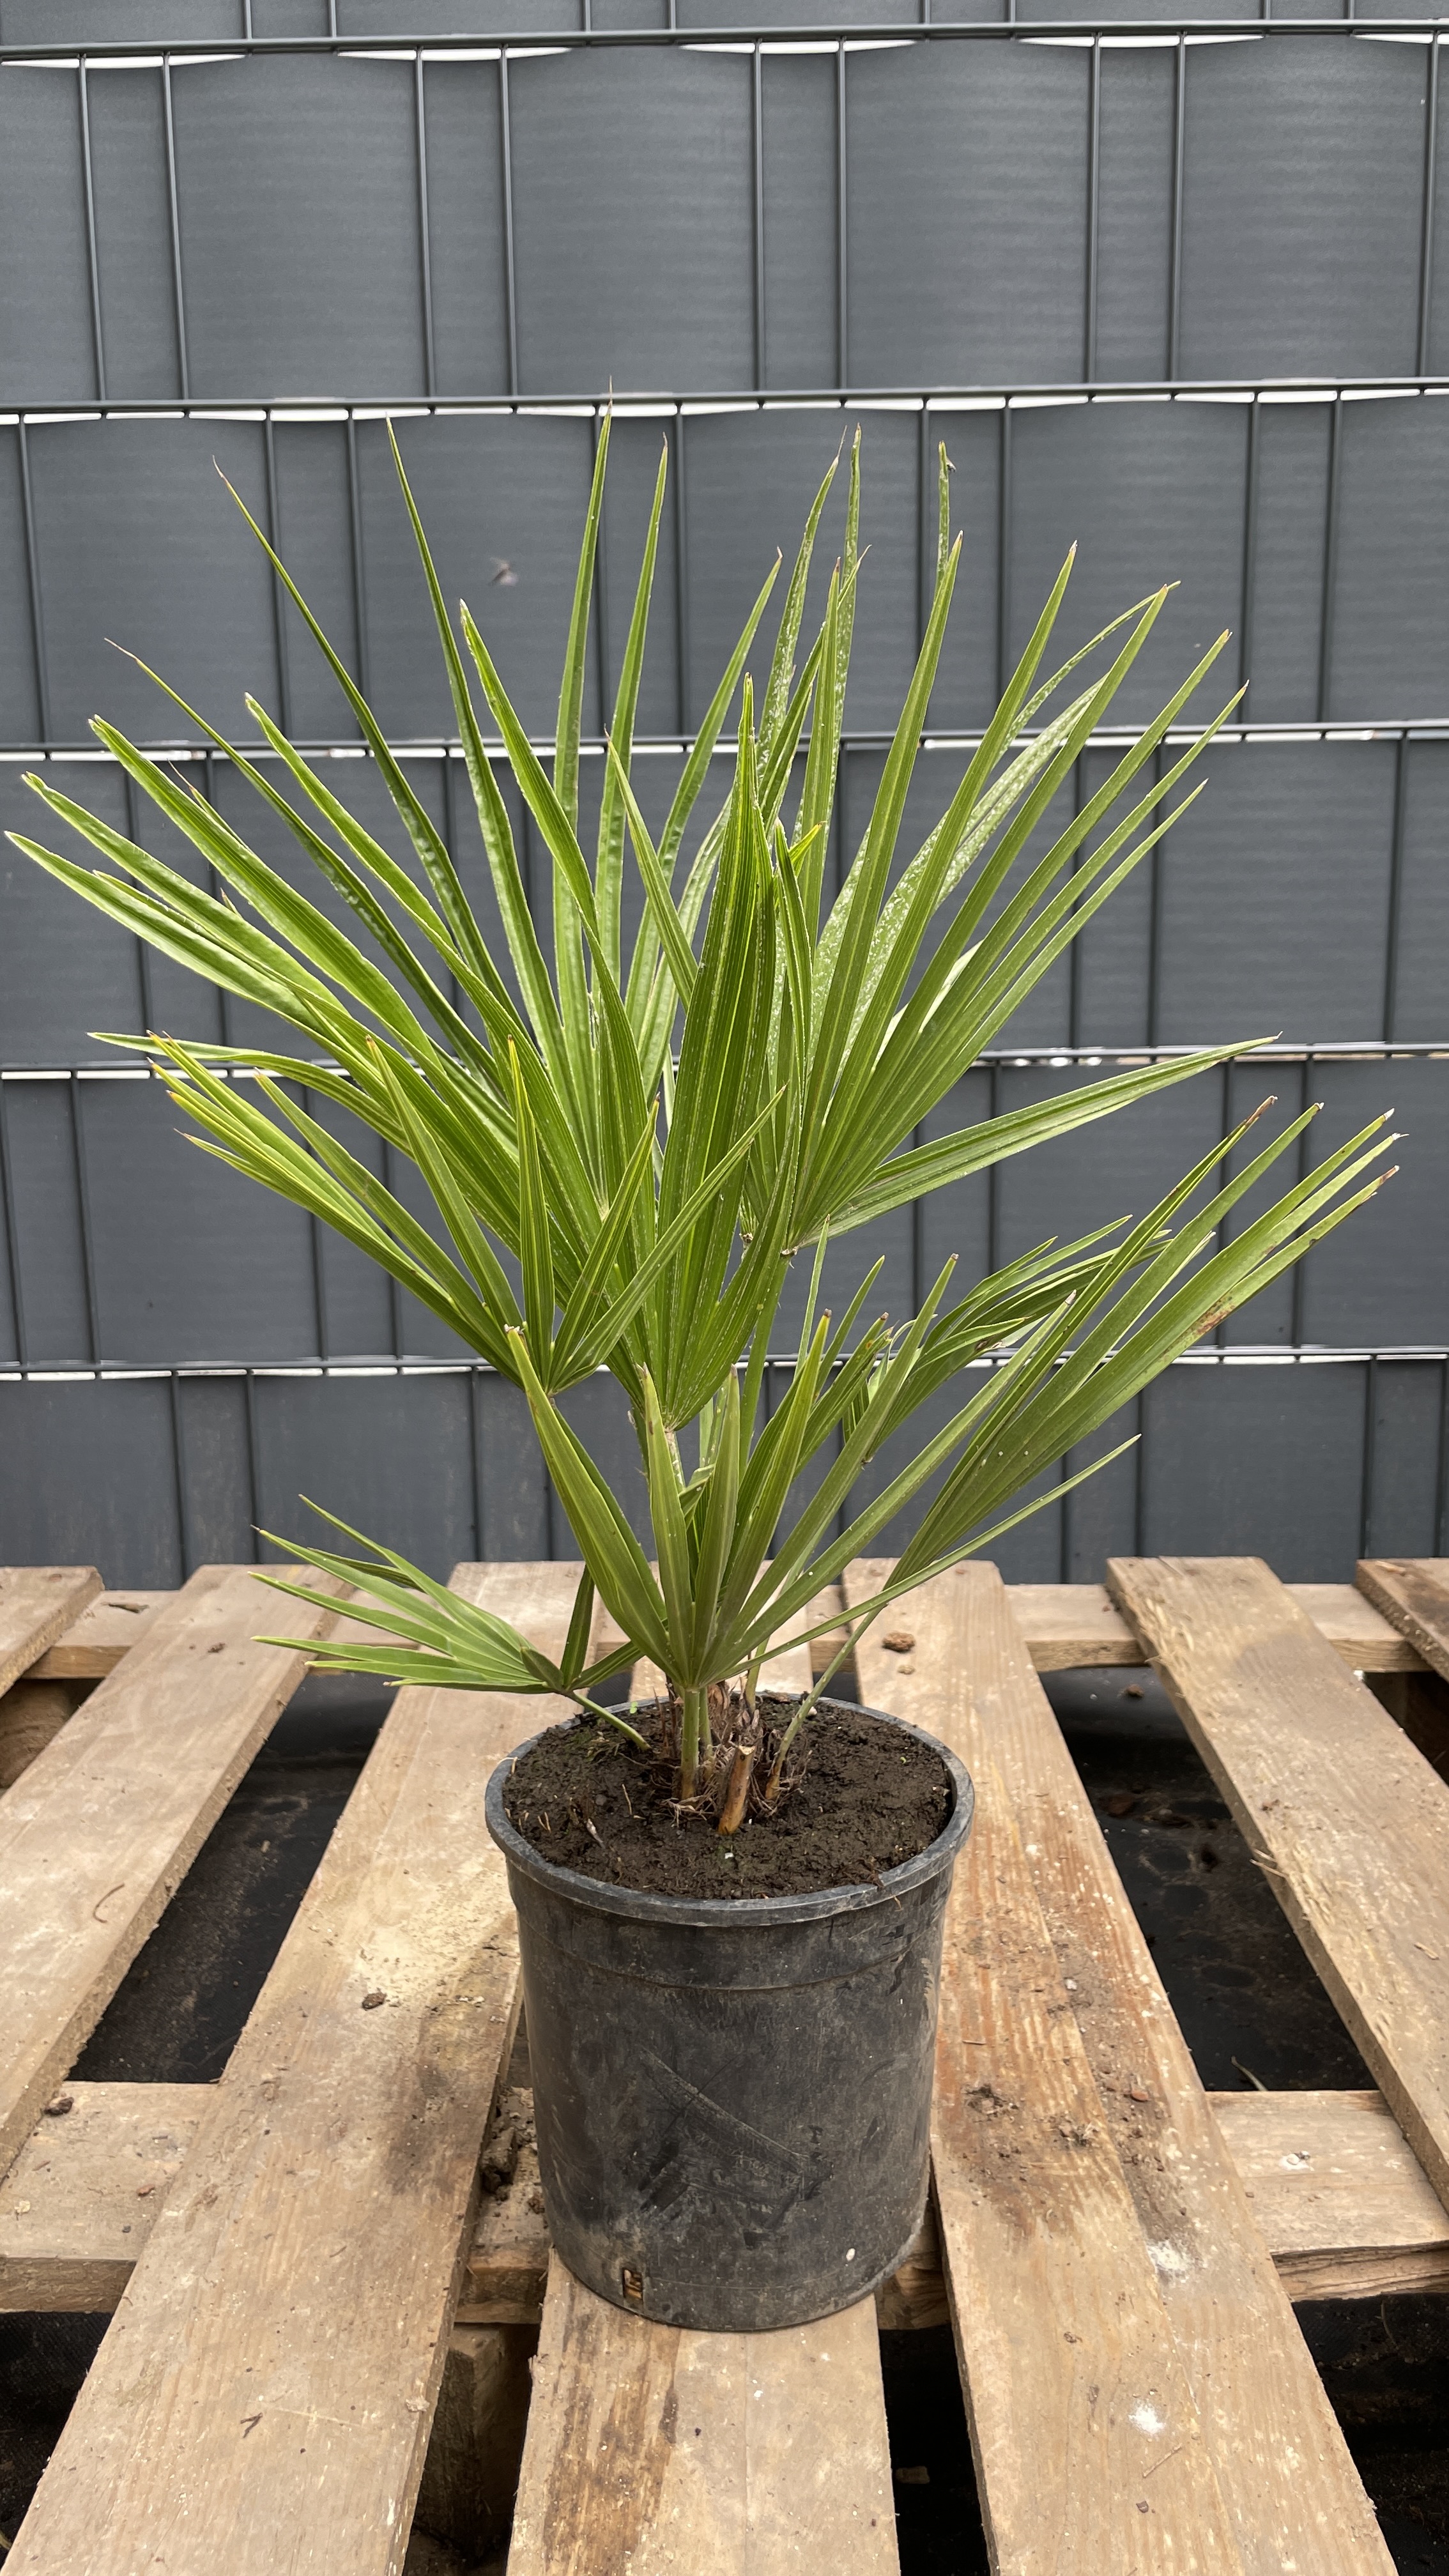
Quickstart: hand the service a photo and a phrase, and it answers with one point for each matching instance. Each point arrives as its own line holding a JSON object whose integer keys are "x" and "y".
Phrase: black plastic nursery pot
{"x": 732, "y": 2096}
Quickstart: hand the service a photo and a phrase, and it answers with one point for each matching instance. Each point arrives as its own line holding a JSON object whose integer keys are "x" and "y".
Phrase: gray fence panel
{"x": 309, "y": 190}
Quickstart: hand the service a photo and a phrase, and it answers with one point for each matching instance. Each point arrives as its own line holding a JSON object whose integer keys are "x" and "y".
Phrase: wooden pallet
{"x": 306, "y": 2282}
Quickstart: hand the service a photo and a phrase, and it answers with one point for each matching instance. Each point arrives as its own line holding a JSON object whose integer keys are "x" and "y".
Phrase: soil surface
{"x": 860, "y": 1795}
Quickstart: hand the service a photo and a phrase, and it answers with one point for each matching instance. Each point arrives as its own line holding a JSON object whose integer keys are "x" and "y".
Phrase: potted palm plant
{"x": 730, "y": 1904}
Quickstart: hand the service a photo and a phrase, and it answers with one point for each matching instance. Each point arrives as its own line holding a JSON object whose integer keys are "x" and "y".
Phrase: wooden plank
{"x": 663, "y": 2453}
{"x": 1338, "y": 2192}
{"x": 92, "y": 1645}
{"x": 1339, "y": 2195}
{"x": 85, "y": 2191}
{"x": 1358, "y": 1633}
{"x": 1282, "y": 2465}
{"x": 37, "y": 1604}
{"x": 101, "y": 1829}
{"x": 1343, "y": 1813}
{"x": 1089, "y": 2452}
{"x": 1413, "y": 1592}
{"x": 263, "y": 2397}
{"x": 30, "y": 1714}
{"x": 1067, "y": 1625}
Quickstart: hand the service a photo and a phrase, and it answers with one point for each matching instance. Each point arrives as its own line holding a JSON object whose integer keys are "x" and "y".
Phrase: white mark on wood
{"x": 1147, "y": 2419}
{"x": 1170, "y": 2261}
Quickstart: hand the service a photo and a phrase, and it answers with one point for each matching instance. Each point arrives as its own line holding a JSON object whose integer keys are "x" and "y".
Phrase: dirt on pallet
{"x": 860, "y": 1795}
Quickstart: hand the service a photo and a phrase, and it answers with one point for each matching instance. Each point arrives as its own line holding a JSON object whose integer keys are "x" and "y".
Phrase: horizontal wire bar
{"x": 311, "y": 409}
{"x": 186, "y": 52}
{"x": 1106, "y": 1051}
{"x": 441, "y": 746}
{"x": 119, "y": 1373}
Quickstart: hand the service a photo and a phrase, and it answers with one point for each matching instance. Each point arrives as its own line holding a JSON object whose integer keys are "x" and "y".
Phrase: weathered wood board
{"x": 662, "y": 2453}
{"x": 99, "y": 1831}
{"x": 92, "y": 1645}
{"x": 1413, "y": 1592}
{"x": 1282, "y": 2465}
{"x": 86, "y": 2189}
{"x": 263, "y": 2397}
{"x": 1347, "y": 1819}
{"x": 38, "y": 1603}
{"x": 1338, "y": 2192}
{"x": 1089, "y": 2452}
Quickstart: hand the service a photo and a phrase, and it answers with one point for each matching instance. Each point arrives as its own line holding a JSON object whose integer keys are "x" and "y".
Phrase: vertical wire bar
{"x": 1330, "y": 559}
{"x": 475, "y": 1461}
{"x": 359, "y": 559}
{"x": 39, "y": 667}
{"x": 601, "y": 592}
{"x": 12, "y": 1234}
{"x": 83, "y": 1210}
{"x": 1094, "y": 192}
{"x": 1174, "y": 281}
{"x": 178, "y": 1465}
{"x": 1370, "y": 1442}
{"x": 223, "y": 997}
{"x": 92, "y": 250}
{"x": 1441, "y": 1468}
{"x": 1224, "y": 1235}
{"x": 842, "y": 263}
{"x": 673, "y": 17}
{"x": 1304, "y": 1087}
{"x": 1003, "y": 556}
{"x": 247, "y": 20}
{"x": 1426, "y": 235}
{"x": 254, "y": 1470}
{"x": 1154, "y": 942}
{"x": 993, "y": 1192}
{"x": 924, "y": 558}
{"x": 178, "y": 281}
{"x": 1074, "y": 953}
{"x": 143, "y": 953}
{"x": 1396, "y": 881}
{"x": 319, "y": 1260}
{"x": 757, "y": 145}
{"x": 332, "y": 19}
{"x": 1250, "y": 553}
{"x": 681, "y": 580}
{"x": 279, "y": 597}
{"x": 510, "y": 271}
{"x": 425, "y": 247}
{"x": 587, "y": 16}
{"x": 394, "y": 1293}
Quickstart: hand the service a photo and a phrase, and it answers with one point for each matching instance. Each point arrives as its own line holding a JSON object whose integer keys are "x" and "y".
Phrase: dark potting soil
{"x": 860, "y": 1796}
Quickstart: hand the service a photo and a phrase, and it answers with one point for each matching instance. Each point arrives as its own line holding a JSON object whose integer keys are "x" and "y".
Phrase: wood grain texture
{"x": 263, "y": 2397}
{"x": 1282, "y": 2465}
{"x": 98, "y": 1833}
{"x": 92, "y": 1645}
{"x": 1068, "y": 1625}
{"x": 1348, "y": 1821}
{"x": 653, "y": 2452}
{"x": 1088, "y": 2447}
{"x": 37, "y": 1604}
{"x": 85, "y": 2191}
{"x": 1413, "y": 1592}
{"x": 1338, "y": 2192}
{"x": 1339, "y": 2195}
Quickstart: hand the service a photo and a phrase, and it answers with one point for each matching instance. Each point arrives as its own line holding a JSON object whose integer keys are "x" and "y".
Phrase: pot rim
{"x": 714, "y": 1913}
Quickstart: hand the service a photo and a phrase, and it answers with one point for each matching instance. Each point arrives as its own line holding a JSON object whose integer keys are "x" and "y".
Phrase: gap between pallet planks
{"x": 99, "y": 1831}
{"x": 264, "y": 2394}
{"x": 1292, "y": 2492}
{"x": 1347, "y": 1819}
{"x": 38, "y": 1603}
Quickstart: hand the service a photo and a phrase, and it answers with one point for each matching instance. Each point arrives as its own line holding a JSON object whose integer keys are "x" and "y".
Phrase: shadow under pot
{"x": 732, "y": 2095}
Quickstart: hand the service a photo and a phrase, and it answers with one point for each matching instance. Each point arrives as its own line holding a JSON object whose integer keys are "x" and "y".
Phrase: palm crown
{"x": 624, "y": 1155}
